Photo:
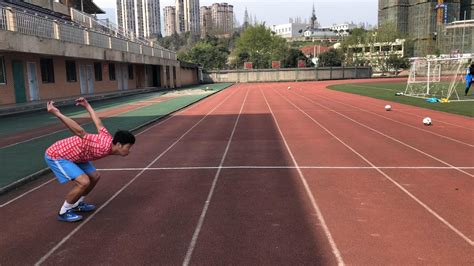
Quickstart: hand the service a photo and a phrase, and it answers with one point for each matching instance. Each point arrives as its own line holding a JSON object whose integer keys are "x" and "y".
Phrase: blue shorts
{"x": 66, "y": 170}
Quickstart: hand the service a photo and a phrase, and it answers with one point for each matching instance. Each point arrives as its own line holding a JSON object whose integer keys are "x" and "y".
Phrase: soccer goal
{"x": 438, "y": 78}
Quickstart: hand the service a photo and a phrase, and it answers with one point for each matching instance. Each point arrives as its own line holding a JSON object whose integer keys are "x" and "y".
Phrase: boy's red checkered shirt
{"x": 80, "y": 150}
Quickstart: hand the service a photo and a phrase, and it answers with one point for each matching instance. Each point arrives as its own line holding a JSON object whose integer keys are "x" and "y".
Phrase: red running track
{"x": 258, "y": 174}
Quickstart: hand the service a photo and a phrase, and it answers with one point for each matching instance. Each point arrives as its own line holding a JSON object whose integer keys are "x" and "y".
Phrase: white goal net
{"x": 437, "y": 78}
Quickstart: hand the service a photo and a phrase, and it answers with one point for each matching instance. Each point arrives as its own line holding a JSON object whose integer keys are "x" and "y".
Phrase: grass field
{"x": 386, "y": 91}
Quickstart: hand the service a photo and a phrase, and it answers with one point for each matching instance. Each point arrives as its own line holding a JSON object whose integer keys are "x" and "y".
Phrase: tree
{"x": 208, "y": 55}
{"x": 396, "y": 63}
{"x": 333, "y": 57}
{"x": 258, "y": 45}
{"x": 292, "y": 58}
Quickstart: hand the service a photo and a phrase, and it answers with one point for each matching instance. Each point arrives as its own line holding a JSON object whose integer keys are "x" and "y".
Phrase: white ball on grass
{"x": 388, "y": 107}
{"x": 427, "y": 121}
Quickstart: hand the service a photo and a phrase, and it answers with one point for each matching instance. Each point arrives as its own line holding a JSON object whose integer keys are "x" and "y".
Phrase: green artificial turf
{"x": 27, "y": 158}
{"x": 387, "y": 91}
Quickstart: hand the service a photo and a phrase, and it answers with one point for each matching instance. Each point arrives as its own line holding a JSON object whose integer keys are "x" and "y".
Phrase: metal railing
{"x": 70, "y": 33}
{"x": 118, "y": 44}
{"x": 147, "y": 50}
{"x": 99, "y": 34}
{"x": 3, "y": 19}
{"x": 99, "y": 40}
{"x": 134, "y": 47}
{"x": 34, "y": 25}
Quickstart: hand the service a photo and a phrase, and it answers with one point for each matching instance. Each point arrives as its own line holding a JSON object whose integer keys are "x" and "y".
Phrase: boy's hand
{"x": 82, "y": 101}
{"x": 51, "y": 108}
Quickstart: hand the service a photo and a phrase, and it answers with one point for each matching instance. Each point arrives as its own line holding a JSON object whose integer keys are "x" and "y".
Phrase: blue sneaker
{"x": 69, "y": 216}
{"x": 84, "y": 207}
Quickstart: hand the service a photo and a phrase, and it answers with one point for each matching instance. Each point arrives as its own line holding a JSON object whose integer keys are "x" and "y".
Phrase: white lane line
{"x": 393, "y": 120}
{"x": 426, "y": 207}
{"x": 138, "y": 134}
{"x": 321, "y": 219}
{"x": 286, "y": 167}
{"x": 194, "y": 239}
{"x": 26, "y": 193}
{"x": 67, "y": 237}
{"x": 385, "y": 135}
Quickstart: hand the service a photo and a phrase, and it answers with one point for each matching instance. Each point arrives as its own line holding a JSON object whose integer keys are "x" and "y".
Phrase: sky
{"x": 328, "y": 12}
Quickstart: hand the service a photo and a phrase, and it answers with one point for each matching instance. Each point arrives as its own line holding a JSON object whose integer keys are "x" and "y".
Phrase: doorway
{"x": 19, "y": 81}
{"x": 33, "y": 81}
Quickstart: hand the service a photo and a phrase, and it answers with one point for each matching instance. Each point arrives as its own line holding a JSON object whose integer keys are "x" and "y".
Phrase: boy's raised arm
{"x": 97, "y": 122}
{"x": 71, "y": 124}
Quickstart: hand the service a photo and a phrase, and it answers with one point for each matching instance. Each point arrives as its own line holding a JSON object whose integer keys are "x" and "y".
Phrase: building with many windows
{"x": 170, "y": 20}
{"x": 424, "y": 21}
{"x": 46, "y": 54}
{"x": 289, "y": 30}
{"x": 222, "y": 18}
{"x": 205, "y": 21}
{"x": 191, "y": 16}
{"x": 141, "y": 17}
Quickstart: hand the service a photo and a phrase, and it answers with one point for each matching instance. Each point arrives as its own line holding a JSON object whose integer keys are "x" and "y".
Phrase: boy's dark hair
{"x": 123, "y": 137}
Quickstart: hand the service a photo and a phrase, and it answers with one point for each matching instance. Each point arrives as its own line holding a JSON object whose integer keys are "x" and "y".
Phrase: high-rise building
{"x": 222, "y": 18}
{"x": 142, "y": 17}
{"x": 422, "y": 20}
{"x": 126, "y": 15}
{"x": 170, "y": 20}
{"x": 180, "y": 22}
{"x": 205, "y": 21}
{"x": 191, "y": 16}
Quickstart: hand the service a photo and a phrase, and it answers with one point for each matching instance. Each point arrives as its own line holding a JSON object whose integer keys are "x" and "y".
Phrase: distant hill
{"x": 110, "y": 14}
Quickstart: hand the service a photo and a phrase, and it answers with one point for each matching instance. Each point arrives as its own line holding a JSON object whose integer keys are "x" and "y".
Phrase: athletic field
{"x": 259, "y": 174}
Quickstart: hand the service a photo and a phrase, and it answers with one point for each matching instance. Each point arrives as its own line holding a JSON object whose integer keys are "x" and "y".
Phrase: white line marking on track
{"x": 194, "y": 239}
{"x": 393, "y": 120}
{"x": 287, "y": 167}
{"x": 426, "y": 207}
{"x": 385, "y": 135}
{"x": 26, "y": 193}
{"x": 138, "y": 134}
{"x": 334, "y": 248}
{"x": 66, "y": 238}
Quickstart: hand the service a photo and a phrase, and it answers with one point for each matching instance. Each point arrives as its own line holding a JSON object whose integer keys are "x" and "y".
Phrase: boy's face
{"x": 123, "y": 150}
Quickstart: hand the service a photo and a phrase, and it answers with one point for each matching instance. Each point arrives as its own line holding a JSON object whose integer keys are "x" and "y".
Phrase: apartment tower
{"x": 222, "y": 18}
{"x": 205, "y": 21}
{"x": 170, "y": 20}
{"x": 141, "y": 17}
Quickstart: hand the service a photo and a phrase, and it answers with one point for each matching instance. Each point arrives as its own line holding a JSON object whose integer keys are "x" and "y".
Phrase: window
{"x": 98, "y": 71}
{"x": 3, "y": 78}
{"x": 47, "y": 70}
{"x": 111, "y": 71}
{"x": 130, "y": 71}
{"x": 71, "y": 71}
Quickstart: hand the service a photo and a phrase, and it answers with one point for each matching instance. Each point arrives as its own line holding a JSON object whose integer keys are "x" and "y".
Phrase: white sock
{"x": 81, "y": 199}
{"x": 66, "y": 206}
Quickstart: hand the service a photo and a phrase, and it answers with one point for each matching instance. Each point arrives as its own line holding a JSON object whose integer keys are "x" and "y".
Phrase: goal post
{"x": 437, "y": 78}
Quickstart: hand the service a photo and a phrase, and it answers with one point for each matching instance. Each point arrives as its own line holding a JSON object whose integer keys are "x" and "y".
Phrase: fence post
{"x": 55, "y": 30}
{"x": 10, "y": 16}
{"x": 330, "y": 72}
{"x": 86, "y": 38}
{"x": 343, "y": 74}
{"x": 316, "y": 74}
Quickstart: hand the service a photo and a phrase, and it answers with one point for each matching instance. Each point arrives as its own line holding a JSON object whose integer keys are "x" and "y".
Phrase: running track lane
{"x": 452, "y": 203}
{"x": 369, "y": 215}
{"x": 44, "y": 233}
{"x": 269, "y": 217}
